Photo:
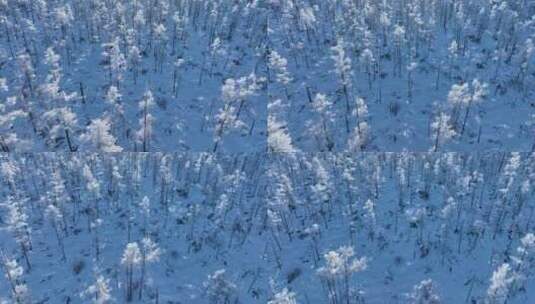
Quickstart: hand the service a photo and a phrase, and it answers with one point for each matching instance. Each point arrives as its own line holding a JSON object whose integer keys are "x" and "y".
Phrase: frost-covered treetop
{"x": 341, "y": 262}
{"x": 131, "y": 254}
{"x": 239, "y": 89}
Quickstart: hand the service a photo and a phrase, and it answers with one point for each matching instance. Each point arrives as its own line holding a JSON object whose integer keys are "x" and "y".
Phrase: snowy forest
{"x": 140, "y": 75}
{"x": 267, "y": 151}
{"x": 402, "y": 75}
{"x": 276, "y": 75}
{"x": 268, "y": 228}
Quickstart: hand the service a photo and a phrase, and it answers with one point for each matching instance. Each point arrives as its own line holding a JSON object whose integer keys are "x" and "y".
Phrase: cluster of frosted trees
{"x": 309, "y": 226}
{"x": 74, "y": 71}
{"x": 425, "y": 69}
{"x": 313, "y": 76}
{"x": 432, "y": 209}
{"x": 104, "y": 221}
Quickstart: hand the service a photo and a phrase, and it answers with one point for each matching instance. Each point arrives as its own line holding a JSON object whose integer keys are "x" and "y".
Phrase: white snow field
{"x": 261, "y": 228}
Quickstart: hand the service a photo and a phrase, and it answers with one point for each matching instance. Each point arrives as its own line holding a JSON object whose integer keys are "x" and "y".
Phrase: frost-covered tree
{"x": 307, "y": 19}
{"x": 131, "y": 259}
{"x": 234, "y": 94}
{"x": 93, "y": 196}
{"x": 114, "y": 99}
{"x": 27, "y": 71}
{"x": 281, "y": 201}
{"x": 411, "y": 68}
{"x": 342, "y": 65}
{"x": 63, "y": 15}
{"x": 59, "y": 197}
{"x": 160, "y": 45}
{"x": 526, "y": 252}
{"x": 323, "y": 106}
{"x": 145, "y": 133}
{"x": 218, "y": 49}
{"x": 99, "y": 291}
{"x": 56, "y": 221}
{"x": 370, "y": 216}
{"x": 442, "y": 130}
{"x": 63, "y": 122}
{"x": 150, "y": 253}
{"x": 278, "y": 138}
{"x": 114, "y": 61}
{"x": 500, "y": 282}
{"x": 98, "y": 137}
{"x": 134, "y": 61}
{"x": 360, "y": 136}
{"x": 322, "y": 189}
{"x": 59, "y": 119}
{"x": 399, "y": 38}
{"x": 340, "y": 265}
{"x": 9, "y": 118}
{"x": 51, "y": 88}
{"x": 145, "y": 211}
{"x": 464, "y": 96}
{"x": 219, "y": 289}
{"x": 17, "y": 221}
{"x": 13, "y": 273}
{"x": 424, "y": 293}
{"x": 279, "y": 65}
{"x": 283, "y": 297}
